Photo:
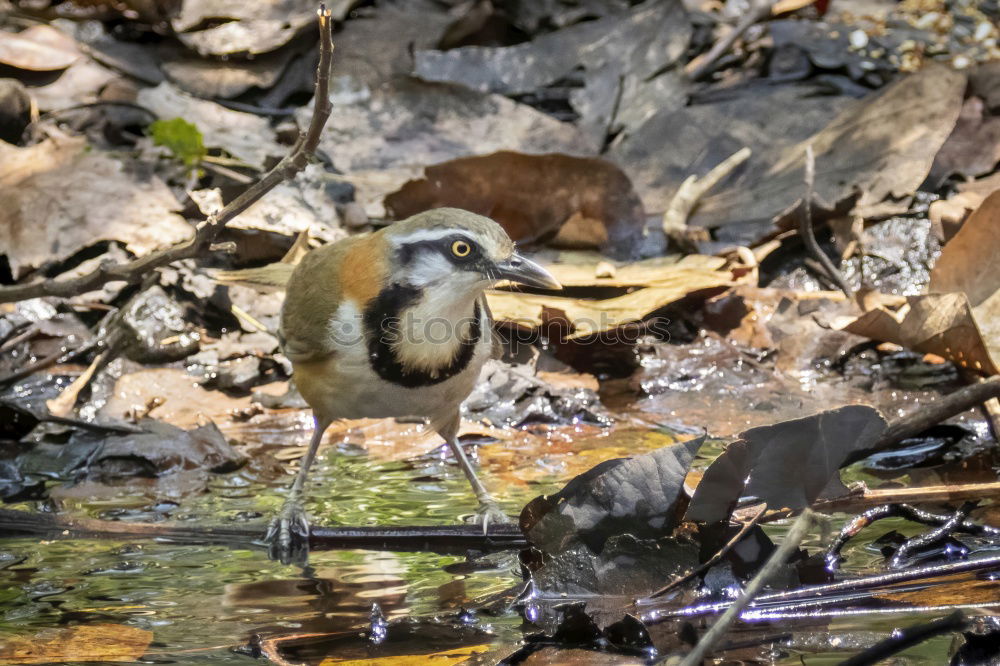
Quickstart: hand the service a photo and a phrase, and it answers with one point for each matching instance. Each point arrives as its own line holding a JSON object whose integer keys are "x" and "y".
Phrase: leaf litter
{"x": 573, "y": 124}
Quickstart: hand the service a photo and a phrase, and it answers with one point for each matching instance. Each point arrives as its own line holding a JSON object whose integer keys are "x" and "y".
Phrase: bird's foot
{"x": 490, "y": 513}
{"x": 288, "y": 534}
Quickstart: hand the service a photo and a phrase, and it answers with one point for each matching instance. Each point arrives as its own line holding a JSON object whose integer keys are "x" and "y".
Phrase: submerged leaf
{"x": 83, "y": 643}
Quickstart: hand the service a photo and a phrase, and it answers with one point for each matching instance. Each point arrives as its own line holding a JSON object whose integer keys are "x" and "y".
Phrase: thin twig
{"x": 868, "y": 498}
{"x": 811, "y": 595}
{"x": 904, "y": 511}
{"x": 710, "y": 562}
{"x": 699, "y": 67}
{"x": 207, "y": 231}
{"x": 436, "y": 538}
{"x": 935, "y": 536}
{"x": 806, "y": 228}
{"x": 793, "y": 538}
{"x": 55, "y": 358}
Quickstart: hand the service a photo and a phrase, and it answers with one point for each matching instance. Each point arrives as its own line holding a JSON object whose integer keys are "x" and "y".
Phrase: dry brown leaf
{"x": 83, "y": 643}
{"x": 969, "y": 261}
{"x": 303, "y": 205}
{"x": 591, "y": 269}
{"x": 786, "y": 6}
{"x": 40, "y": 48}
{"x": 883, "y": 146}
{"x": 531, "y": 196}
{"x": 57, "y": 197}
{"x": 969, "y": 264}
{"x": 254, "y": 27}
{"x": 183, "y": 402}
{"x": 941, "y": 324}
{"x": 586, "y": 317}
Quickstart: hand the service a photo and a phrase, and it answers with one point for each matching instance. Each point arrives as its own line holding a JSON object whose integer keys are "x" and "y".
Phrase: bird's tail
{"x": 272, "y": 277}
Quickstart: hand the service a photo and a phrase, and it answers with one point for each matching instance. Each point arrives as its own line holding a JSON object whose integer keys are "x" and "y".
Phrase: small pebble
{"x": 858, "y": 39}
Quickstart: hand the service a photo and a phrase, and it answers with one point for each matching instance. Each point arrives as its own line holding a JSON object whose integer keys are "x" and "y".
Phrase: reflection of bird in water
{"x": 328, "y": 599}
{"x": 395, "y": 324}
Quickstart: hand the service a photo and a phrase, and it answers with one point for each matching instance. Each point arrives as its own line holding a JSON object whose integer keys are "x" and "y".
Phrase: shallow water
{"x": 203, "y": 602}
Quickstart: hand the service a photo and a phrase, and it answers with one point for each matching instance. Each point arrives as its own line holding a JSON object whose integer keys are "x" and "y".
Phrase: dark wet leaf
{"x": 155, "y": 328}
{"x": 626, "y": 567}
{"x": 532, "y": 196}
{"x": 859, "y": 153}
{"x": 982, "y": 647}
{"x": 788, "y": 464}
{"x": 164, "y": 449}
{"x": 620, "y": 55}
{"x": 514, "y": 396}
{"x": 16, "y": 420}
{"x": 828, "y": 48}
{"x": 675, "y": 143}
{"x": 636, "y": 496}
{"x": 14, "y": 487}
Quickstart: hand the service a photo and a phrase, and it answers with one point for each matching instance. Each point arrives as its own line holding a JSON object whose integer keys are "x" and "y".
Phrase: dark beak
{"x": 519, "y": 270}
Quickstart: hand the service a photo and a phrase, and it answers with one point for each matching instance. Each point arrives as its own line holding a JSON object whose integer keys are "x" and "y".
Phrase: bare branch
{"x": 703, "y": 65}
{"x": 806, "y": 229}
{"x": 207, "y": 231}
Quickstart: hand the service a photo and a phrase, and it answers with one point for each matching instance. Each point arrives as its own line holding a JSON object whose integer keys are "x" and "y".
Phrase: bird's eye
{"x": 460, "y": 248}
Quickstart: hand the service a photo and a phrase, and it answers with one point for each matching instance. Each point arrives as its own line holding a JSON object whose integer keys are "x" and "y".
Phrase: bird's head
{"x": 459, "y": 250}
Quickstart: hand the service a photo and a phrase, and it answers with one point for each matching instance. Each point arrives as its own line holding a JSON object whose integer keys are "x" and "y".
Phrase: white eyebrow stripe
{"x": 430, "y": 235}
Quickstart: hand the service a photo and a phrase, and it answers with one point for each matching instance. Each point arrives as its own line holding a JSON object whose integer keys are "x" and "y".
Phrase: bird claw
{"x": 288, "y": 534}
{"x": 490, "y": 513}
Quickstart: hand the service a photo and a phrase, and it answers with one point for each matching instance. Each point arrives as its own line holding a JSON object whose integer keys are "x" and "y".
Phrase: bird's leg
{"x": 288, "y": 533}
{"x": 489, "y": 510}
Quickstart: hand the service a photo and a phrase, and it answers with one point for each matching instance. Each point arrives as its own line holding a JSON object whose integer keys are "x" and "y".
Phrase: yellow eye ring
{"x": 461, "y": 248}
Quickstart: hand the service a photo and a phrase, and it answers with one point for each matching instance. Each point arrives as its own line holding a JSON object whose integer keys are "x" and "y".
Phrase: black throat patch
{"x": 384, "y": 325}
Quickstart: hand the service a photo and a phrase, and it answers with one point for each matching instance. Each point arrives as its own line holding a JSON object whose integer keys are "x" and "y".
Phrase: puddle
{"x": 202, "y": 602}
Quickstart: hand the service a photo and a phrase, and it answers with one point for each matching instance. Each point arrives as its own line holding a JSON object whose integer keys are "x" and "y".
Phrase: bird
{"x": 395, "y": 323}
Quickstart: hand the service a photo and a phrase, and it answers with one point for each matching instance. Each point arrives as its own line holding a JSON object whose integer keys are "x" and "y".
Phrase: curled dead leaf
{"x": 961, "y": 322}
{"x": 40, "y": 48}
